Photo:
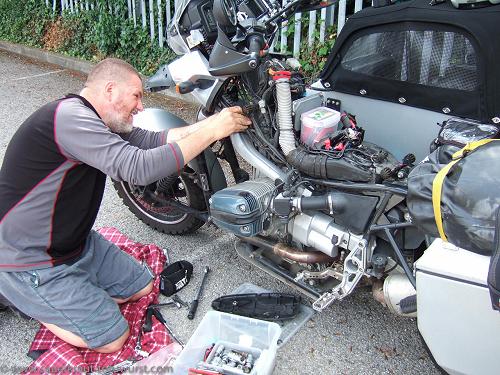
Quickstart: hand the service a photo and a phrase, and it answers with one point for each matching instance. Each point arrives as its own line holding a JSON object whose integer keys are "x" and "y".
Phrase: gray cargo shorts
{"x": 77, "y": 296}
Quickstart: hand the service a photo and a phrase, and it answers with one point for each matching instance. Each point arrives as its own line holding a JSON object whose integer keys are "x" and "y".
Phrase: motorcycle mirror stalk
{"x": 161, "y": 80}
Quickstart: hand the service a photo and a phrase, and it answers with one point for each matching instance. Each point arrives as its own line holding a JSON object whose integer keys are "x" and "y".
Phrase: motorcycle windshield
{"x": 175, "y": 40}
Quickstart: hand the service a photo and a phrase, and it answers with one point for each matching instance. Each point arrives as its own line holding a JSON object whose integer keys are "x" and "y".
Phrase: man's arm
{"x": 175, "y": 134}
{"x": 82, "y": 137}
{"x": 145, "y": 139}
{"x": 210, "y": 130}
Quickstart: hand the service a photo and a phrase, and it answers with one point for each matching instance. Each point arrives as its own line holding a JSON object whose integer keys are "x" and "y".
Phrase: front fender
{"x": 157, "y": 119}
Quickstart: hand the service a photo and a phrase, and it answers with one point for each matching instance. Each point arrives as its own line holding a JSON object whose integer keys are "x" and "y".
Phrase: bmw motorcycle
{"x": 323, "y": 207}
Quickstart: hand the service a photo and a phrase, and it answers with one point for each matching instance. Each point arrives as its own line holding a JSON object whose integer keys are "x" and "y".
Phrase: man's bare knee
{"x": 115, "y": 345}
{"x": 141, "y": 293}
{"x": 67, "y": 336}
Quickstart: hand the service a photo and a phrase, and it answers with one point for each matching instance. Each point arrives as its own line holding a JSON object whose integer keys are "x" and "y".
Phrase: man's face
{"x": 126, "y": 101}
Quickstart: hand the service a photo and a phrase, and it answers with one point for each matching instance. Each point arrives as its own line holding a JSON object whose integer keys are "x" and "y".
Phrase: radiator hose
{"x": 284, "y": 99}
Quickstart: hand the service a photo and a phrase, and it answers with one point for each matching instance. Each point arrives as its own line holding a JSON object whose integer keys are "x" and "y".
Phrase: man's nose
{"x": 140, "y": 106}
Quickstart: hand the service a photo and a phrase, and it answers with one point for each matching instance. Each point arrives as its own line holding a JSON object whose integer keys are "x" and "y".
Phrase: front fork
{"x": 228, "y": 153}
{"x": 200, "y": 166}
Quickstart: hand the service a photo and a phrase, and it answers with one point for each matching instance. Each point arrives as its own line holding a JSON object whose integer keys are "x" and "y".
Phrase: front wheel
{"x": 142, "y": 202}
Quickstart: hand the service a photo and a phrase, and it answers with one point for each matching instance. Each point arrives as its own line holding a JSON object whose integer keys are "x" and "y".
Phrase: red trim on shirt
{"x": 55, "y": 135}
{"x": 33, "y": 188}
{"x": 176, "y": 157}
{"x": 52, "y": 261}
{"x": 54, "y": 207}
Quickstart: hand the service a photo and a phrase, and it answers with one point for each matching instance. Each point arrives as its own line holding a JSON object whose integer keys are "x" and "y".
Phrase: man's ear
{"x": 109, "y": 89}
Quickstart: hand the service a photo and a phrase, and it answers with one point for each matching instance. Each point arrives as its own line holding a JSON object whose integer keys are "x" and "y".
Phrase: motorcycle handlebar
{"x": 255, "y": 43}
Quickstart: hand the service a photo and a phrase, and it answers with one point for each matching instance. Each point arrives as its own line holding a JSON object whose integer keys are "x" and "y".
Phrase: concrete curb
{"x": 71, "y": 63}
{"x": 49, "y": 57}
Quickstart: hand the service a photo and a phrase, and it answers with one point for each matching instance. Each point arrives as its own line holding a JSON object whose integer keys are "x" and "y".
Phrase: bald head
{"x": 110, "y": 69}
{"x": 114, "y": 88}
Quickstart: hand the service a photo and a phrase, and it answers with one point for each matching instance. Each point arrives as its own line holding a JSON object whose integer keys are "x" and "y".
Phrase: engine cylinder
{"x": 241, "y": 208}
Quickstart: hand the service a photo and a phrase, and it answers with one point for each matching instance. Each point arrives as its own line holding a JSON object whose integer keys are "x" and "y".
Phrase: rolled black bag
{"x": 465, "y": 200}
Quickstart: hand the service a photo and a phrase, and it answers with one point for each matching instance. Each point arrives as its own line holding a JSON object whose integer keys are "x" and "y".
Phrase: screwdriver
{"x": 194, "y": 304}
{"x": 147, "y": 326}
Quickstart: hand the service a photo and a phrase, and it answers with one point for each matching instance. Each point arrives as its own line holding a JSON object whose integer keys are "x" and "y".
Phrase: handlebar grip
{"x": 192, "y": 309}
{"x": 255, "y": 43}
{"x": 185, "y": 87}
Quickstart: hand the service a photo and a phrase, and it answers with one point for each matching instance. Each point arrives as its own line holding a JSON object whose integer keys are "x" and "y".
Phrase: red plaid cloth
{"x": 59, "y": 355}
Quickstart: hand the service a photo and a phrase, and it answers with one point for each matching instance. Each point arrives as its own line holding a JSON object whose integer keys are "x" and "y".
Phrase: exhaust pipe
{"x": 394, "y": 290}
{"x": 286, "y": 138}
{"x": 285, "y": 251}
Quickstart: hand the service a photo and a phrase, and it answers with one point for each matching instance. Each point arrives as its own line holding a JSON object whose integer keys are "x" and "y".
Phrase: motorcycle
{"x": 324, "y": 208}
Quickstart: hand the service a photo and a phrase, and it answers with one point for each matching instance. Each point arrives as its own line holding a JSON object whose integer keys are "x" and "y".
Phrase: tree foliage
{"x": 91, "y": 35}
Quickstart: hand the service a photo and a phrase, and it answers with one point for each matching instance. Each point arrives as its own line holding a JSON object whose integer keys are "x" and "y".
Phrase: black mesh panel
{"x": 431, "y": 58}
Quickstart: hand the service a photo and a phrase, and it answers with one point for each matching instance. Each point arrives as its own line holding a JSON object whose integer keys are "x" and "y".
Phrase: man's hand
{"x": 206, "y": 132}
{"x": 226, "y": 122}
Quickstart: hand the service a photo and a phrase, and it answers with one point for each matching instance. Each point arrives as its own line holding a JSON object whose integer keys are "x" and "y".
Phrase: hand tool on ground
{"x": 178, "y": 299}
{"x": 168, "y": 303}
{"x": 138, "y": 345}
{"x": 194, "y": 303}
{"x": 148, "y": 324}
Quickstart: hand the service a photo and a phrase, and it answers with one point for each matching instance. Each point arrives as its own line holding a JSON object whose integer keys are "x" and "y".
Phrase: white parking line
{"x": 38, "y": 75}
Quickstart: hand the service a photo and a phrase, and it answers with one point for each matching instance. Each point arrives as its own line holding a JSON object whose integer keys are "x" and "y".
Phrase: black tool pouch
{"x": 265, "y": 306}
{"x": 175, "y": 276}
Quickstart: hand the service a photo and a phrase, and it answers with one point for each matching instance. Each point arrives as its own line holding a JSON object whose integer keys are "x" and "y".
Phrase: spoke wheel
{"x": 156, "y": 213}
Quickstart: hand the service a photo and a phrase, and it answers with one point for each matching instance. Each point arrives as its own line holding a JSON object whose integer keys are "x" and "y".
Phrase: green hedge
{"x": 91, "y": 35}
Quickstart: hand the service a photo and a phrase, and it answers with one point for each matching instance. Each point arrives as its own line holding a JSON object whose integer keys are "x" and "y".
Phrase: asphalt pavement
{"x": 354, "y": 336}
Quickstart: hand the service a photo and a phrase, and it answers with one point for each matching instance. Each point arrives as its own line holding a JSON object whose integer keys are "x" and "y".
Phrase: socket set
{"x": 229, "y": 358}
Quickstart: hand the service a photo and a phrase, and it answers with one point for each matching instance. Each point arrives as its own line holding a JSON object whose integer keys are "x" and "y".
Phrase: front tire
{"x": 160, "y": 216}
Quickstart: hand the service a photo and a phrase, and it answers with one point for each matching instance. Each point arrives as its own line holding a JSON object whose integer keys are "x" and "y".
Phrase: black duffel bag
{"x": 458, "y": 201}
{"x": 455, "y": 192}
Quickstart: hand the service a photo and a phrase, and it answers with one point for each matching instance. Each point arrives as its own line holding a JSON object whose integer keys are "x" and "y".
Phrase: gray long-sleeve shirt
{"x": 53, "y": 175}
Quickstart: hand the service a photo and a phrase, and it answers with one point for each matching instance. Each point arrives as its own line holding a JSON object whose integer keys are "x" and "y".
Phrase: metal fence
{"x": 157, "y": 14}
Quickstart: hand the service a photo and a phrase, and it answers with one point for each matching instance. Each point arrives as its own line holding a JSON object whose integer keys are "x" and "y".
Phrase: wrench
{"x": 194, "y": 304}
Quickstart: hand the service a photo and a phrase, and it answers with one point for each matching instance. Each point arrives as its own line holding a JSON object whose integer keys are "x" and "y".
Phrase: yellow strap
{"x": 437, "y": 189}
{"x": 470, "y": 146}
{"x": 437, "y": 184}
